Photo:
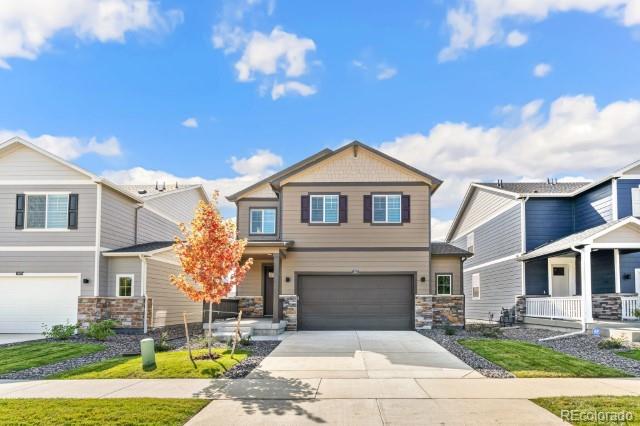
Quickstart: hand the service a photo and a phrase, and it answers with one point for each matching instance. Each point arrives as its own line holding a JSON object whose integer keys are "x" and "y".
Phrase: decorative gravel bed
{"x": 581, "y": 346}
{"x": 115, "y": 346}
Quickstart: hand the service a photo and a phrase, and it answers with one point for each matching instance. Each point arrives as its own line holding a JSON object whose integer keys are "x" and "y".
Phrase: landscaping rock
{"x": 259, "y": 350}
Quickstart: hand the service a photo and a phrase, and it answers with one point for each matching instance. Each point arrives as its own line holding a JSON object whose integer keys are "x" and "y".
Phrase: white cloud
{"x": 250, "y": 170}
{"x": 574, "y": 137}
{"x": 478, "y": 23}
{"x": 282, "y": 89}
{"x": 439, "y": 228}
{"x": 27, "y": 26}
{"x": 386, "y": 72}
{"x": 68, "y": 147}
{"x": 541, "y": 70}
{"x": 262, "y": 162}
{"x": 190, "y": 122}
{"x": 516, "y": 39}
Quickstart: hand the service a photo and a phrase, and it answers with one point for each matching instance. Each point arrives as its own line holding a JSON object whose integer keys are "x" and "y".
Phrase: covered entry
{"x": 355, "y": 302}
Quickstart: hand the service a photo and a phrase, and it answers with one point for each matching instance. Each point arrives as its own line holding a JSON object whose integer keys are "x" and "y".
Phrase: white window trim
{"x": 450, "y": 275}
{"x": 133, "y": 286}
{"x": 324, "y": 211}
{"x": 386, "y": 208}
{"x": 46, "y": 212}
{"x": 477, "y": 274}
{"x": 261, "y": 210}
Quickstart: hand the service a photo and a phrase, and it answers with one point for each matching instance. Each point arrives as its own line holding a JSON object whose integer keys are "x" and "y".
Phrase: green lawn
{"x": 130, "y": 411}
{"x": 28, "y": 355}
{"x": 587, "y": 407}
{"x": 633, "y": 354}
{"x": 530, "y": 360}
{"x": 169, "y": 365}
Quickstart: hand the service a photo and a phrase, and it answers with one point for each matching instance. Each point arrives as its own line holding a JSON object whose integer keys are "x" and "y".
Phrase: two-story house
{"x": 341, "y": 240}
{"x": 568, "y": 251}
{"x": 75, "y": 247}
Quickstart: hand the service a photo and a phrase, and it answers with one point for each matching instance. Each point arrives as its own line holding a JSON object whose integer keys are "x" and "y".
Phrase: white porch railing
{"x": 555, "y": 307}
{"x": 629, "y": 306}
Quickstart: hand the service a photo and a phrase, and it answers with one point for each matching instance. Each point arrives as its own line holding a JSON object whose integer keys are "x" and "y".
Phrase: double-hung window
{"x": 443, "y": 282}
{"x": 475, "y": 286}
{"x": 324, "y": 208}
{"x": 47, "y": 211}
{"x": 387, "y": 208}
{"x": 125, "y": 285}
{"x": 263, "y": 221}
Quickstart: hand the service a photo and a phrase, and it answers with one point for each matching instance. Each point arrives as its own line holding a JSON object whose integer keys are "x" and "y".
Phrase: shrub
{"x": 449, "y": 330}
{"x": 162, "y": 344}
{"x": 611, "y": 343}
{"x": 59, "y": 331}
{"x": 100, "y": 330}
{"x": 636, "y": 313}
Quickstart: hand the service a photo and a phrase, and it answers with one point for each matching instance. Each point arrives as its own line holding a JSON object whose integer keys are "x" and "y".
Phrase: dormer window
{"x": 263, "y": 221}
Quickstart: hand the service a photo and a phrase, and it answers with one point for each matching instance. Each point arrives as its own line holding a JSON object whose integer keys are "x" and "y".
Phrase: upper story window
{"x": 263, "y": 221}
{"x": 324, "y": 208}
{"x": 387, "y": 208}
{"x": 47, "y": 211}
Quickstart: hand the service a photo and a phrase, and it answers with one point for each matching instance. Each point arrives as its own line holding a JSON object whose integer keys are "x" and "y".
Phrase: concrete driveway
{"x": 361, "y": 354}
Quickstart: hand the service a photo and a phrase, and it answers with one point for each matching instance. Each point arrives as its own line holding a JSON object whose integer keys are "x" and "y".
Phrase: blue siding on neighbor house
{"x": 593, "y": 207}
{"x": 624, "y": 196}
{"x": 548, "y": 219}
{"x": 602, "y": 272}
{"x": 536, "y": 277}
{"x": 629, "y": 262}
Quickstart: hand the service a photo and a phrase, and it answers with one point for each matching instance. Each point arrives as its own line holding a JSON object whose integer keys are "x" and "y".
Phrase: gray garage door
{"x": 355, "y": 302}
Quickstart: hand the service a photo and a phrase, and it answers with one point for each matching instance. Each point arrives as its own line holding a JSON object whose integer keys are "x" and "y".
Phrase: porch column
{"x": 277, "y": 263}
{"x": 616, "y": 268}
{"x": 587, "y": 307}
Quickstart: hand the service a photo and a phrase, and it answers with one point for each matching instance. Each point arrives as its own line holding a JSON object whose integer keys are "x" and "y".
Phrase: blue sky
{"x": 461, "y": 90}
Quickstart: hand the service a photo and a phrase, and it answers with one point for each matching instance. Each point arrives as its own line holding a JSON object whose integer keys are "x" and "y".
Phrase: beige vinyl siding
{"x": 118, "y": 219}
{"x": 85, "y": 235}
{"x": 356, "y": 233}
{"x": 634, "y": 171}
{"x": 252, "y": 284}
{"x": 626, "y": 234}
{"x": 168, "y": 303}
{"x": 243, "y": 218}
{"x": 22, "y": 163}
{"x": 343, "y": 261}
{"x": 180, "y": 206}
{"x": 123, "y": 265}
{"x": 481, "y": 205}
{"x": 51, "y": 262}
{"x": 446, "y": 265}
{"x": 262, "y": 191}
{"x": 152, "y": 227}
{"x": 345, "y": 167}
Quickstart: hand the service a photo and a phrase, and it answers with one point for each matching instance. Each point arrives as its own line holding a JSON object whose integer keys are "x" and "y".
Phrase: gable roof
{"x": 98, "y": 179}
{"x": 536, "y": 188}
{"x": 149, "y": 192}
{"x": 275, "y": 179}
{"x": 440, "y": 248}
{"x": 145, "y": 248}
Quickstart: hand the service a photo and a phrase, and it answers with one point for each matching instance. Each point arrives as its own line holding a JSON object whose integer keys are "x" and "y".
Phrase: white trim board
{"x": 46, "y": 182}
{"x": 493, "y": 262}
{"x": 47, "y": 248}
{"x": 42, "y": 274}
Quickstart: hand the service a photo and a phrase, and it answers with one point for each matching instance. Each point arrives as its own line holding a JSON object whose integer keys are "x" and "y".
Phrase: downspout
{"x": 143, "y": 273}
{"x": 583, "y": 321}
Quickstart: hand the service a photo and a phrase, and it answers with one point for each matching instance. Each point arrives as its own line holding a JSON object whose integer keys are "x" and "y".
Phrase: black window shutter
{"x": 366, "y": 210}
{"x": 343, "y": 209}
{"x": 304, "y": 209}
{"x": 73, "y": 211}
{"x": 406, "y": 209}
{"x": 20, "y": 211}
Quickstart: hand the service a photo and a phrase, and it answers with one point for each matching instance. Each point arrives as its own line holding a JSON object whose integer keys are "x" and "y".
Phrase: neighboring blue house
{"x": 543, "y": 246}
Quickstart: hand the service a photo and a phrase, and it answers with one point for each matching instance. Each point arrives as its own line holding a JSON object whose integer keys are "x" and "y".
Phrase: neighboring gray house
{"x": 541, "y": 244}
{"x": 76, "y": 247}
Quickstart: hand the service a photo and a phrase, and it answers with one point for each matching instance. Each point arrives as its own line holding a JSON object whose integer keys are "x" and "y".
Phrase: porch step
{"x": 628, "y": 334}
{"x": 228, "y": 335}
{"x": 253, "y": 326}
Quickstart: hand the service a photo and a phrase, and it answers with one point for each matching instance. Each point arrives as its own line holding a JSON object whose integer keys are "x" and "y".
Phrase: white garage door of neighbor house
{"x": 29, "y": 301}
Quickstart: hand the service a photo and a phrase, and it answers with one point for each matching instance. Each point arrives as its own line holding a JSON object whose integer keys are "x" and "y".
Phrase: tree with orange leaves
{"x": 210, "y": 256}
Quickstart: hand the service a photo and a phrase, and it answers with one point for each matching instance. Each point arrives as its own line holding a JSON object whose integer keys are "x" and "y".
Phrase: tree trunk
{"x": 186, "y": 332}
{"x": 210, "y": 335}
{"x": 236, "y": 335}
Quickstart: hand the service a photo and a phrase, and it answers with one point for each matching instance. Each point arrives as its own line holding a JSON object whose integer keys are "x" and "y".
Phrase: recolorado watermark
{"x": 596, "y": 416}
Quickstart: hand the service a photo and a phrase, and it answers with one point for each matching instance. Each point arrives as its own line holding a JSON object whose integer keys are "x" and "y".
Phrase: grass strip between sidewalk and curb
{"x": 129, "y": 411}
{"x": 29, "y": 355}
{"x": 169, "y": 365}
{"x": 525, "y": 359}
{"x": 592, "y": 410}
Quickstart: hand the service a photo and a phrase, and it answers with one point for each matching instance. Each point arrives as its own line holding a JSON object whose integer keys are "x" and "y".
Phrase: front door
{"x": 560, "y": 281}
{"x": 267, "y": 280}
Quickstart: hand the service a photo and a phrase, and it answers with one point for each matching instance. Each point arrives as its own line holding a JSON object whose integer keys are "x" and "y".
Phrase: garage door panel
{"x": 348, "y": 302}
{"x": 28, "y": 302}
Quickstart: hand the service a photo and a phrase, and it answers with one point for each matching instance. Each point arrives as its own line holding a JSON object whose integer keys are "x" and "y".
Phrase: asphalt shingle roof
{"x": 143, "y": 248}
{"x": 537, "y": 187}
{"x": 446, "y": 248}
{"x": 149, "y": 190}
